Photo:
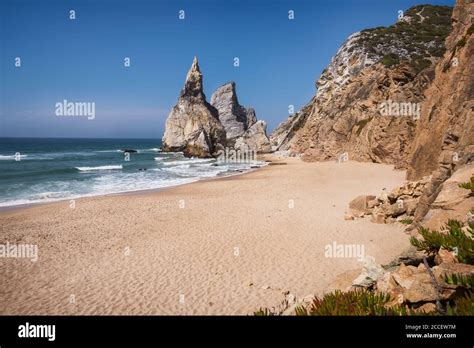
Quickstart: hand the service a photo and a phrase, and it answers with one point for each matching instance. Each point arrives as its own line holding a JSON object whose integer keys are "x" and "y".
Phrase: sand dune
{"x": 195, "y": 249}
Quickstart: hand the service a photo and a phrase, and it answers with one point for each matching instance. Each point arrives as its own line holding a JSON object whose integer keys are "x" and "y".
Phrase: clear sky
{"x": 82, "y": 60}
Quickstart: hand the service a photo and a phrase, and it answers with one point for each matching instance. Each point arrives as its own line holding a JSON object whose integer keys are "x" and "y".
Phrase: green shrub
{"x": 461, "y": 43}
{"x": 420, "y": 64}
{"x": 361, "y": 124}
{"x": 463, "y": 305}
{"x": 454, "y": 239}
{"x": 416, "y": 37}
{"x": 466, "y": 281}
{"x": 407, "y": 221}
{"x": 468, "y": 185}
{"x": 470, "y": 30}
{"x": 390, "y": 60}
{"x": 355, "y": 303}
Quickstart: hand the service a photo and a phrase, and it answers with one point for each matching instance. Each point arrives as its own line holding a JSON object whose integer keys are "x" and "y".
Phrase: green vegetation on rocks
{"x": 454, "y": 238}
{"x": 416, "y": 38}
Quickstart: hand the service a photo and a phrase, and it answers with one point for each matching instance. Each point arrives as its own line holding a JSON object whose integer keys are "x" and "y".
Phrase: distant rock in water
{"x": 129, "y": 150}
{"x": 235, "y": 118}
{"x": 193, "y": 125}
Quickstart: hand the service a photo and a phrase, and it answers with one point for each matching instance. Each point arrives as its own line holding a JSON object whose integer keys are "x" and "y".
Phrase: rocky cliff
{"x": 368, "y": 98}
{"x": 193, "y": 125}
{"x": 444, "y": 142}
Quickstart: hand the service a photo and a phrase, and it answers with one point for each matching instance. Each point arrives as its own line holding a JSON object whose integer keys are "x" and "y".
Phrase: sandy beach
{"x": 223, "y": 246}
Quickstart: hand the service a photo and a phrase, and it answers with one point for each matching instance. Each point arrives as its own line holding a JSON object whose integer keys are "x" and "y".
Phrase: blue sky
{"x": 82, "y": 59}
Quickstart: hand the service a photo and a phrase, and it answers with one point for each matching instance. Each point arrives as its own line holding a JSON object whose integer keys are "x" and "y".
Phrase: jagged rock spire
{"x": 193, "y": 125}
{"x": 235, "y": 118}
{"x": 193, "y": 87}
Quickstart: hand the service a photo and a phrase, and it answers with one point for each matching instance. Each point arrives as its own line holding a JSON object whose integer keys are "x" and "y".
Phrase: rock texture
{"x": 446, "y": 127}
{"x": 200, "y": 129}
{"x": 398, "y": 205}
{"x": 413, "y": 285}
{"x": 443, "y": 145}
{"x": 282, "y": 136}
{"x": 254, "y": 139}
{"x": 452, "y": 202}
{"x": 372, "y": 67}
{"x": 402, "y": 95}
{"x": 244, "y": 132}
{"x": 193, "y": 125}
{"x": 235, "y": 118}
{"x": 445, "y": 140}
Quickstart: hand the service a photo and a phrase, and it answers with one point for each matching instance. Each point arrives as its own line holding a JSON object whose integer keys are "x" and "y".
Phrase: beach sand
{"x": 210, "y": 247}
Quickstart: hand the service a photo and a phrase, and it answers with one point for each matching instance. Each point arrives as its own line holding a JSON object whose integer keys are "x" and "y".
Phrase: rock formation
{"x": 244, "y": 132}
{"x": 444, "y": 141}
{"x": 200, "y": 129}
{"x": 440, "y": 155}
{"x": 193, "y": 125}
{"x": 402, "y": 95}
{"x": 373, "y": 70}
{"x": 254, "y": 139}
{"x": 235, "y": 118}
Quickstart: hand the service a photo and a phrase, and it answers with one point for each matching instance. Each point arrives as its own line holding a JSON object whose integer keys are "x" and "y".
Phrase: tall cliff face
{"x": 445, "y": 132}
{"x": 368, "y": 98}
{"x": 444, "y": 138}
{"x": 193, "y": 125}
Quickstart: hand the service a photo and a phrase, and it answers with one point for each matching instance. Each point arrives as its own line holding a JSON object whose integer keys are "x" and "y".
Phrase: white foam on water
{"x": 91, "y": 169}
{"x": 190, "y": 161}
{"x": 171, "y": 170}
{"x": 11, "y": 157}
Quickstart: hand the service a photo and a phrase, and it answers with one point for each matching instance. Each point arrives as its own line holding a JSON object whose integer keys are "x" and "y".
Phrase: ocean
{"x": 34, "y": 170}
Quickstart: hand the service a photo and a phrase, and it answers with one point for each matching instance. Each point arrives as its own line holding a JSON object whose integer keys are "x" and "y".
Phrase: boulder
{"x": 446, "y": 269}
{"x": 410, "y": 257}
{"x": 426, "y": 308}
{"x": 413, "y": 285}
{"x": 371, "y": 272}
{"x": 452, "y": 201}
{"x": 254, "y": 139}
{"x": 444, "y": 256}
{"x": 360, "y": 204}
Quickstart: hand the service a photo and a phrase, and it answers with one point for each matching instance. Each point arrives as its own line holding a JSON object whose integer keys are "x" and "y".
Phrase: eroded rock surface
{"x": 193, "y": 125}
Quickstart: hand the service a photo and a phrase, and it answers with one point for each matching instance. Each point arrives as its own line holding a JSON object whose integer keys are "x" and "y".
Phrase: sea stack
{"x": 243, "y": 132}
{"x": 193, "y": 125}
{"x": 235, "y": 118}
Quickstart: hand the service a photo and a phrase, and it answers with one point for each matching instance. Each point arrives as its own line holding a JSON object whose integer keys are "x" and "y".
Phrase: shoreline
{"x": 9, "y": 208}
{"x": 235, "y": 244}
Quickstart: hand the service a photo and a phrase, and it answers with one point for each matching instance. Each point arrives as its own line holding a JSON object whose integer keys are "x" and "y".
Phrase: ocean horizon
{"x": 40, "y": 170}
